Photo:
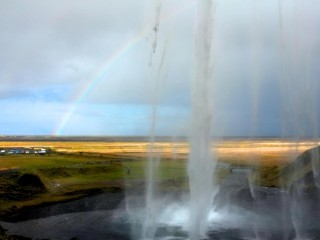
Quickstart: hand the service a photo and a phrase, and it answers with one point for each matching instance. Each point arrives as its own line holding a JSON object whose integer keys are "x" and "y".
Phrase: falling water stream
{"x": 150, "y": 224}
{"x": 201, "y": 162}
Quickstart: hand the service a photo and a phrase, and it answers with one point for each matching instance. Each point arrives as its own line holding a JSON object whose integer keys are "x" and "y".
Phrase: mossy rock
{"x": 304, "y": 172}
{"x": 31, "y": 182}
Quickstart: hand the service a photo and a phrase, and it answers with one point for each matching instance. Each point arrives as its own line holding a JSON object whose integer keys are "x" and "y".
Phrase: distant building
{"x": 42, "y": 151}
{"x": 12, "y": 151}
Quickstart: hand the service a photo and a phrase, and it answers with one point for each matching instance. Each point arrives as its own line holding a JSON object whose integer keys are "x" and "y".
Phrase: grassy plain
{"x": 76, "y": 168}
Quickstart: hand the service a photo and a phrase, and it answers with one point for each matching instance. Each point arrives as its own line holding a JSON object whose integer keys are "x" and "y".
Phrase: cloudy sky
{"x": 79, "y": 67}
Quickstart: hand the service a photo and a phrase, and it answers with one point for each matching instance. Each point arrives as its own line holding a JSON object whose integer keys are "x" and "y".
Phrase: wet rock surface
{"x": 105, "y": 217}
{"x": 99, "y": 201}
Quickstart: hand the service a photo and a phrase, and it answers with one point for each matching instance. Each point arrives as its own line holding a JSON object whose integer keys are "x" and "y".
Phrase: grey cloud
{"x": 48, "y": 42}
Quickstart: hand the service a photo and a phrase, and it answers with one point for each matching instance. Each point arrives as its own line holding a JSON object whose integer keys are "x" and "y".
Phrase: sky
{"x": 78, "y": 67}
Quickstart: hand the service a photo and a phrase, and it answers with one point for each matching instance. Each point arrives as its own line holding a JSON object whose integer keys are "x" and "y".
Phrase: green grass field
{"x": 69, "y": 176}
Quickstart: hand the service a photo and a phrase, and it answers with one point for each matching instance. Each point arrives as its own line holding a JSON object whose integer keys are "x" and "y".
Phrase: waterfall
{"x": 201, "y": 162}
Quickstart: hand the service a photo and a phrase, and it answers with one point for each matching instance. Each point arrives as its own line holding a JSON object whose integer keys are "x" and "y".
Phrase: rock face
{"x": 236, "y": 190}
{"x": 293, "y": 211}
{"x": 304, "y": 189}
{"x": 304, "y": 173}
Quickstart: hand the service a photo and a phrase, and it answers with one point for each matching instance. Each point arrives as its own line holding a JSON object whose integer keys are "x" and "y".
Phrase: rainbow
{"x": 91, "y": 84}
{"x": 103, "y": 68}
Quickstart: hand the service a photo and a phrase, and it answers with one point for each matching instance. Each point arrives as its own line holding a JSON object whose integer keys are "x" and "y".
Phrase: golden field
{"x": 255, "y": 151}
